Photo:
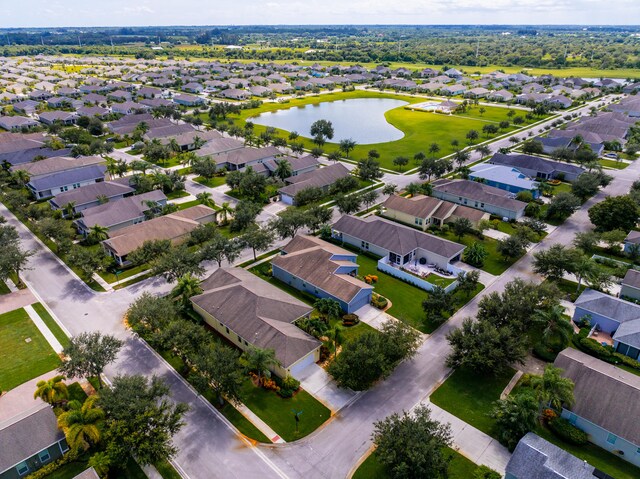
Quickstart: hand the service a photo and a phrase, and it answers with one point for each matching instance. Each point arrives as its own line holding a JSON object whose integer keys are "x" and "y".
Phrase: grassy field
{"x": 51, "y": 324}
{"x": 459, "y": 468}
{"x": 420, "y": 128}
{"x": 212, "y": 182}
{"x": 470, "y": 396}
{"x": 25, "y": 360}
{"x": 616, "y": 165}
{"x": 277, "y": 412}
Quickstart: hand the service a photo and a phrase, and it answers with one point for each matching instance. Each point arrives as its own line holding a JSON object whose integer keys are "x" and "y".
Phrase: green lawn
{"x": 23, "y": 360}
{"x": 459, "y": 468}
{"x": 123, "y": 274}
{"x": 470, "y": 396}
{"x": 406, "y": 299}
{"x": 277, "y": 412}
{"x": 493, "y": 264}
{"x": 420, "y": 128}
{"x": 243, "y": 425}
{"x": 131, "y": 470}
{"x": 4, "y": 289}
{"x": 177, "y": 194}
{"x": 618, "y": 165}
{"x": 212, "y": 182}
{"x": 352, "y": 332}
{"x": 166, "y": 470}
{"x": 594, "y": 455}
{"x": 51, "y": 324}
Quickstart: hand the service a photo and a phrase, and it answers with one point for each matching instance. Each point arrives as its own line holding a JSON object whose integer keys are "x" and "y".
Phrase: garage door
{"x": 298, "y": 367}
{"x": 356, "y": 305}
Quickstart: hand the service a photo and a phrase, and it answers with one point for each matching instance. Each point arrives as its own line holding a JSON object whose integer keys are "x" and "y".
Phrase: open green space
{"x": 277, "y": 412}
{"x": 51, "y": 323}
{"x": 420, "y": 128}
{"x": 470, "y": 396}
{"x": 28, "y": 355}
{"x": 617, "y": 165}
{"x": 459, "y": 468}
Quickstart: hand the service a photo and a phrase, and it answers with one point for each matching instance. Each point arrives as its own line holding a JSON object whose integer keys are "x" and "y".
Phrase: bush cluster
{"x": 568, "y": 432}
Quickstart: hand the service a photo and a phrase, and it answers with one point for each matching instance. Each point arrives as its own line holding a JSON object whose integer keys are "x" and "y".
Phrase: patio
{"x": 424, "y": 270}
{"x": 603, "y": 338}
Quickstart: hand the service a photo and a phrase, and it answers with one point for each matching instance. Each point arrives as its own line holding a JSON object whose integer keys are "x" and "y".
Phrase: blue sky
{"x": 46, "y": 13}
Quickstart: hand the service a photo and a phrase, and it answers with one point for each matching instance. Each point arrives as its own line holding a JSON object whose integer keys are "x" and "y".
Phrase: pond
{"x": 361, "y": 119}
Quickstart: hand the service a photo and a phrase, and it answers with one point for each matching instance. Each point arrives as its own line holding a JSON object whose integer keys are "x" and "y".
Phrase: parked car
{"x": 611, "y": 155}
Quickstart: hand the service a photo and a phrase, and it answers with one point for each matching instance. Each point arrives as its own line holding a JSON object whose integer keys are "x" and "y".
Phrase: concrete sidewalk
{"x": 46, "y": 332}
{"x": 259, "y": 423}
{"x": 472, "y": 443}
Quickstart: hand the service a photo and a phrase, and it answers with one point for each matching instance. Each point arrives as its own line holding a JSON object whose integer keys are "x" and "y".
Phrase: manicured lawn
{"x": 406, "y": 299}
{"x": 493, "y": 264}
{"x": 277, "y": 412}
{"x": 177, "y": 194}
{"x": 211, "y": 182}
{"x": 459, "y": 468}
{"x": 470, "y": 396}
{"x": 594, "y": 455}
{"x": 166, "y": 470}
{"x": 123, "y": 274}
{"x": 243, "y": 425}
{"x": 189, "y": 204}
{"x": 618, "y": 165}
{"x": 561, "y": 188}
{"x": 4, "y": 289}
{"x": 352, "y": 332}
{"x": 420, "y": 128}
{"x": 23, "y": 360}
{"x": 51, "y": 324}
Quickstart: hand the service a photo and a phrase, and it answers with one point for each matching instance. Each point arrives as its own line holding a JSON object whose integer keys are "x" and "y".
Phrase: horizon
{"x": 162, "y": 13}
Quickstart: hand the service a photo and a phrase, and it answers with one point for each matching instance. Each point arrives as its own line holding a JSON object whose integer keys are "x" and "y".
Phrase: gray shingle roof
{"x": 23, "y": 436}
{"x": 92, "y": 172}
{"x": 90, "y": 193}
{"x": 608, "y": 306}
{"x": 535, "y": 163}
{"x": 319, "y": 178}
{"x": 605, "y": 394}
{"x": 394, "y": 237}
{"x": 260, "y": 313}
{"x": 120, "y": 211}
{"x": 536, "y": 458}
{"x": 475, "y": 191}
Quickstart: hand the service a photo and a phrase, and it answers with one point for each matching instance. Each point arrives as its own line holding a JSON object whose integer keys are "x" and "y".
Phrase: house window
{"x": 611, "y": 438}
{"x": 418, "y": 221}
{"x": 638, "y": 451}
{"x": 476, "y": 204}
{"x": 573, "y": 418}
{"x": 481, "y": 205}
{"x": 44, "y": 456}
{"x": 22, "y": 468}
{"x": 364, "y": 245}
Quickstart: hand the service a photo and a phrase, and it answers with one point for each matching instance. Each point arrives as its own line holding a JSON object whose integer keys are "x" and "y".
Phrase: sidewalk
{"x": 48, "y": 335}
{"x": 472, "y": 443}
{"x": 16, "y": 300}
{"x": 259, "y": 423}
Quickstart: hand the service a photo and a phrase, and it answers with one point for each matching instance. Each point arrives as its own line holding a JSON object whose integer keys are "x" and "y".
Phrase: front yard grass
{"x": 243, "y": 425}
{"x": 210, "y": 182}
{"x": 23, "y": 360}
{"x": 617, "y": 165}
{"x": 470, "y": 396}
{"x": 277, "y": 412}
{"x": 459, "y": 468}
{"x": 51, "y": 324}
{"x": 174, "y": 195}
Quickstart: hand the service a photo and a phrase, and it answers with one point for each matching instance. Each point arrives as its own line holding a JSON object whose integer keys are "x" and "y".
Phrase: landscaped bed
{"x": 23, "y": 360}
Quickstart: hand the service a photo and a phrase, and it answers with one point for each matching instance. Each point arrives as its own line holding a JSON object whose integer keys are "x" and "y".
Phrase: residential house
{"x": 323, "y": 270}
{"x": 217, "y": 146}
{"x": 504, "y": 177}
{"x": 424, "y": 211}
{"x": 607, "y": 403}
{"x": 128, "y": 107}
{"x": 241, "y": 158}
{"x": 17, "y": 123}
{"x": 174, "y": 227}
{"x": 29, "y": 441}
{"x": 535, "y": 457}
{"x": 553, "y": 142}
{"x": 299, "y": 165}
{"x": 63, "y": 117}
{"x": 632, "y": 241}
{"x": 500, "y": 95}
{"x": 250, "y": 312}
{"x": 121, "y": 213}
{"x": 26, "y": 107}
{"x": 52, "y": 176}
{"x": 536, "y": 167}
{"x": 451, "y": 90}
{"x": 189, "y": 100}
{"x": 615, "y": 317}
{"x": 235, "y": 94}
{"x": 187, "y": 141}
{"x": 478, "y": 195}
{"x": 630, "y": 286}
{"x": 90, "y": 195}
{"x": 167, "y": 130}
{"x": 399, "y": 247}
{"x": 478, "y": 92}
{"x": 321, "y": 178}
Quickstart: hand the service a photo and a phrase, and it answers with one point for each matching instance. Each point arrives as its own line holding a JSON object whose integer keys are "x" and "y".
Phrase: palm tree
{"x": 68, "y": 209}
{"x": 81, "y": 424}
{"x": 552, "y": 389}
{"x": 260, "y": 361}
{"x": 52, "y": 391}
{"x": 484, "y": 150}
{"x": 186, "y": 287}
{"x": 174, "y": 146}
{"x": 225, "y": 211}
{"x": 188, "y": 159}
{"x": 555, "y": 326}
{"x": 198, "y": 142}
{"x": 98, "y": 233}
{"x": 283, "y": 169}
{"x": 112, "y": 167}
{"x": 205, "y": 198}
{"x": 102, "y": 199}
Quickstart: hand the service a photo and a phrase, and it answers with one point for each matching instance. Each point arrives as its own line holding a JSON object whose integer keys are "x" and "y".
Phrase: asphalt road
{"x": 209, "y": 446}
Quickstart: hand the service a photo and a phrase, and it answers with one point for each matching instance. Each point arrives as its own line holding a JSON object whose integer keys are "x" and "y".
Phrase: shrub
{"x": 484, "y": 472}
{"x": 350, "y": 319}
{"x": 627, "y": 361}
{"x": 568, "y": 432}
{"x": 594, "y": 348}
{"x": 290, "y": 383}
{"x": 544, "y": 352}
